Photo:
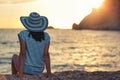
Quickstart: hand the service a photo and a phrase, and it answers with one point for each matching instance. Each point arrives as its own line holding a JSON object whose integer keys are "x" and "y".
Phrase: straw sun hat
{"x": 34, "y": 22}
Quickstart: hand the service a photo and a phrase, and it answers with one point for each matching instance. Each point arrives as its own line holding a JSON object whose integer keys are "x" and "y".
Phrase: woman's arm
{"x": 22, "y": 56}
{"x": 47, "y": 59}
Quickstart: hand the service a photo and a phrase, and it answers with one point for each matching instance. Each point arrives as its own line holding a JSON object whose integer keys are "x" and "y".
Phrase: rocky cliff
{"x": 107, "y": 17}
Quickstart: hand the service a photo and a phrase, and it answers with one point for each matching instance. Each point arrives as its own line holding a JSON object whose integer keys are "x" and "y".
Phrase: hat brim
{"x": 35, "y": 27}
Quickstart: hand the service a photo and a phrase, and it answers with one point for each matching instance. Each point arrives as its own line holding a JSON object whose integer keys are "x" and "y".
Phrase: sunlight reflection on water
{"x": 91, "y": 50}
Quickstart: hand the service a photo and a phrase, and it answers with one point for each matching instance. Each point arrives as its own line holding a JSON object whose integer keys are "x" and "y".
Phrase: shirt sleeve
{"x": 21, "y": 35}
{"x": 47, "y": 38}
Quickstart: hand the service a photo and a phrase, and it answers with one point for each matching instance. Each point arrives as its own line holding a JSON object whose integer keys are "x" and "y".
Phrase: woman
{"x": 34, "y": 47}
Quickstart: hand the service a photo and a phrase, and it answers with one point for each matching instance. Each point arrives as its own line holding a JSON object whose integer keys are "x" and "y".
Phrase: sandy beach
{"x": 82, "y": 75}
{"x": 74, "y": 75}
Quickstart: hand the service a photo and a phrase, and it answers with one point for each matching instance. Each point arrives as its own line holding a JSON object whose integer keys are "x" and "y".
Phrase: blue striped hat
{"x": 34, "y": 22}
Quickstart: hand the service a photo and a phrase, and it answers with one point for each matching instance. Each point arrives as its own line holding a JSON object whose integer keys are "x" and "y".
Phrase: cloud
{"x": 14, "y": 1}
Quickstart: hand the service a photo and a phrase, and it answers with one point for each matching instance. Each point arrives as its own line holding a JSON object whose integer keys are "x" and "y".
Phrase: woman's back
{"x": 34, "y": 51}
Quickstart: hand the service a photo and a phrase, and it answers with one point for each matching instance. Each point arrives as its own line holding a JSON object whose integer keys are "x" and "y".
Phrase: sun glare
{"x": 97, "y": 3}
{"x": 92, "y": 3}
{"x": 61, "y": 13}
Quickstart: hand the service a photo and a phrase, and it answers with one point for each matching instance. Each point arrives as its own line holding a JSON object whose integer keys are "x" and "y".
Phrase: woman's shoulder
{"x": 46, "y": 34}
{"x": 24, "y": 32}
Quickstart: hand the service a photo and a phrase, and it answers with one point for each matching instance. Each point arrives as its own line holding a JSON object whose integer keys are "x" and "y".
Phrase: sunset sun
{"x": 96, "y": 3}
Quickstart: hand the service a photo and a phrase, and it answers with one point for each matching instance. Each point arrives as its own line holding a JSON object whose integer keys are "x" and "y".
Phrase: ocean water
{"x": 84, "y": 50}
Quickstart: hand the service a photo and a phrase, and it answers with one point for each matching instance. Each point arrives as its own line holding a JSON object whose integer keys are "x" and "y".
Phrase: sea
{"x": 83, "y": 50}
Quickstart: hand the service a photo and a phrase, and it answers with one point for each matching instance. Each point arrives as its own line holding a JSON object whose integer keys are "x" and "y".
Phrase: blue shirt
{"x": 34, "y": 63}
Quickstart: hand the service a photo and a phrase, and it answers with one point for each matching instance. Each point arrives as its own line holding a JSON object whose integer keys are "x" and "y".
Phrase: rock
{"x": 105, "y": 18}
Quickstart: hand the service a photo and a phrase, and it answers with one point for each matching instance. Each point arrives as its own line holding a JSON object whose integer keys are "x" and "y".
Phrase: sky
{"x": 61, "y": 13}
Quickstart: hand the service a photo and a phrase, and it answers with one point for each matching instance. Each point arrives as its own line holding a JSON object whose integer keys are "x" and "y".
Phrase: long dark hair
{"x": 38, "y": 36}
